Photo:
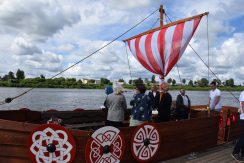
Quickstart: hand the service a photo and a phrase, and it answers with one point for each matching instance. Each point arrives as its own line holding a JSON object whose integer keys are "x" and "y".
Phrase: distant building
{"x": 97, "y": 81}
{"x": 85, "y": 81}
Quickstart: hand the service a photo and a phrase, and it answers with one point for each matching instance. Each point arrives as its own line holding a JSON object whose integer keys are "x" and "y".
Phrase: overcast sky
{"x": 47, "y": 36}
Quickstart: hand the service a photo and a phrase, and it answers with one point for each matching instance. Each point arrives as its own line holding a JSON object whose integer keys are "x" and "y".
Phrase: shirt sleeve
{"x": 242, "y": 97}
{"x": 218, "y": 93}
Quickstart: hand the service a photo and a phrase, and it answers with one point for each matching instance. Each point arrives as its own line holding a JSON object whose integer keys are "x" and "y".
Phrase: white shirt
{"x": 241, "y": 99}
{"x": 154, "y": 94}
{"x": 212, "y": 95}
{"x": 185, "y": 100}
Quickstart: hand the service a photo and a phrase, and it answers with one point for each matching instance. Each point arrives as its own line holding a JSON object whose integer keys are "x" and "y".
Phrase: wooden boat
{"x": 25, "y": 136}
{"x": 177, "y": 138}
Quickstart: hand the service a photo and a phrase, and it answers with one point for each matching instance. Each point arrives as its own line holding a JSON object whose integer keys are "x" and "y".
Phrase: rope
{"x": 209, "y": 69}
{"x": 179, "y": 76}
{"x": 208, "y": 47}
{"x": 128, "y": 61}
{"x": 9, "y": 99}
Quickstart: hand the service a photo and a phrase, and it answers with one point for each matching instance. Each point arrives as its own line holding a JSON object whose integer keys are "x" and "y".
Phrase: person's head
{"x": 165, "y": 87}
{"x": 182, "y": 91}
{"x": 154, "y": 87}
{"x": 213, "y": 85}
{"x": 118, "y": 89}
{"x": 141, "y": 88}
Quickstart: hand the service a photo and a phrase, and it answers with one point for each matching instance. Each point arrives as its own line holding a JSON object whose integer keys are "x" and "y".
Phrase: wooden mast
{"x": 161, "y": 10}
{"x": 161, "y": 77}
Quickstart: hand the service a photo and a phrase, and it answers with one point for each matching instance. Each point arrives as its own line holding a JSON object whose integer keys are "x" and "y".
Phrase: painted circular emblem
{"x": 105, "y": 145}
{"x": 145, "y": 142}
{"x": 51, "y": 143}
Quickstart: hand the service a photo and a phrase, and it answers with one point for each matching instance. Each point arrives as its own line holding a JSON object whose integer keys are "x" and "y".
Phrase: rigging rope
{"x": 128, "y": 61}
{"x": 209, "y": 69}
{"x": 208, "y": 47}
{"x": 9, "y": 99}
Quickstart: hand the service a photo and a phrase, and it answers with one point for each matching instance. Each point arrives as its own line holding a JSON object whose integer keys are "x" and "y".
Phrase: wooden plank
{"x": 13, "y": 151}
{"x": 17, "y": 126}
{"x": 10, "y": 137}
{"x": 4, "y": 159}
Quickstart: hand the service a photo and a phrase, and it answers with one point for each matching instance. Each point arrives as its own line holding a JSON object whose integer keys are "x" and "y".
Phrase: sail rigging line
{"x": 10, "y": 99}
{"x": 211, "y": 70}
{"x": 208, "y": 46}
{"x": 179, "y": 76}
{"x": 128, "y": 61}
{"x": 207, "y": 65}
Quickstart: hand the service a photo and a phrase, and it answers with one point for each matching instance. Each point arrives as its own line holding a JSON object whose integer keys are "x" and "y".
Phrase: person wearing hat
{"x": 116, "y": 104}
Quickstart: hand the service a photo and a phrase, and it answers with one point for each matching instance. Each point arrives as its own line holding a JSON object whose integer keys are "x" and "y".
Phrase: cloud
{"x": 22, "y": 47}
{"x": 37, "y": 19}
{"x": 45, "y": 37}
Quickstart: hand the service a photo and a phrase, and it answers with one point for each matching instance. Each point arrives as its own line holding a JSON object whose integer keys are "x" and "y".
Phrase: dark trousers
{"x": 239, "y": 147}
{"x": 181, "y": 113}
{"x": 114, "y": 123}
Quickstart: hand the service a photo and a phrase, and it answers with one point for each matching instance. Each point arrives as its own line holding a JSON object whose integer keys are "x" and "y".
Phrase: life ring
{"x": 145, "y": 142}
{"x": 51, "y": 143}
{"x": 105, "y": 145}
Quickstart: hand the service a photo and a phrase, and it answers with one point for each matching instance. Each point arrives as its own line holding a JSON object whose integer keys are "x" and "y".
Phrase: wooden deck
{"x": 219, "y": 154}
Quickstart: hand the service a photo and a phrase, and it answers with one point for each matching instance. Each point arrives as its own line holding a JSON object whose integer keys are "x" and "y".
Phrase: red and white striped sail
{"x": 158, "y": 51}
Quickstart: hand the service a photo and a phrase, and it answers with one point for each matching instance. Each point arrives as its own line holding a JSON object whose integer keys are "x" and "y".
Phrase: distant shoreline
{"x": 131, "y": 87}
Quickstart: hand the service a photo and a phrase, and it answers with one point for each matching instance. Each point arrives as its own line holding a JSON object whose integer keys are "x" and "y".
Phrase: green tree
{"x": 121, "y": 80}
{"x": 184, "y": 81}
{"x": 92, "y": 81}
{"x": 138, "y": 81}
{"x": 20, "y": 74}
{"x": 42, "y": 76}
{"x": 230, "y": 82}
{"x": 153, "y": 79}
{"x": 105, "y": 81}
{"x": 11, "y": 75}
{"x": 130, "y": 81}
{"x": 190, "y": 83}
{"x": 203, "y": 82}
{"x": 169, "y": 81}
{"x": 173, "y": 82}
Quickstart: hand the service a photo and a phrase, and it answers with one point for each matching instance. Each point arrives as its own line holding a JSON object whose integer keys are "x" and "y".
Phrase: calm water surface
{"x": 68, "y": 99}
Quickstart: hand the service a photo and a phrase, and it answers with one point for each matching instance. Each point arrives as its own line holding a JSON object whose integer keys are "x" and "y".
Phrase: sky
{"x": 47, "y": 36}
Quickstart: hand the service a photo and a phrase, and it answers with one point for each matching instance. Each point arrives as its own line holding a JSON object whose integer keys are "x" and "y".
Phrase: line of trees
{"x": 18, "y": 80}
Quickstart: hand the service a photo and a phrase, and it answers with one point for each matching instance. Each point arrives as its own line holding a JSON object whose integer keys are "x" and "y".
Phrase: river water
{"x": 41, "y": 99}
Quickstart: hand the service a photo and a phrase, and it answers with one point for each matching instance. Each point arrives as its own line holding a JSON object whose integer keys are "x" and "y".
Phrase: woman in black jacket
{"x": 164, "y": 104}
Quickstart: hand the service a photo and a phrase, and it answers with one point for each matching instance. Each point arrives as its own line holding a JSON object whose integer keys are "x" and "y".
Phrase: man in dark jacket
{"x": 154, "y": 95}
{"x": 183, "y": 105}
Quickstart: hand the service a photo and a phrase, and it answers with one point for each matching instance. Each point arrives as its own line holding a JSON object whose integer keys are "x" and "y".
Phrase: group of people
{"x": 143, "y": 104}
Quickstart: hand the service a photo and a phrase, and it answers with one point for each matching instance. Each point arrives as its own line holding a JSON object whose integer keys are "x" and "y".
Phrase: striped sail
{"x": 158, "y": 51}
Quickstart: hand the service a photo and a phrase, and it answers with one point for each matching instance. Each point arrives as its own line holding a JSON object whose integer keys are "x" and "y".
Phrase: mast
{"x": 161, "y": 77}
{"x": 161, "y": 10}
